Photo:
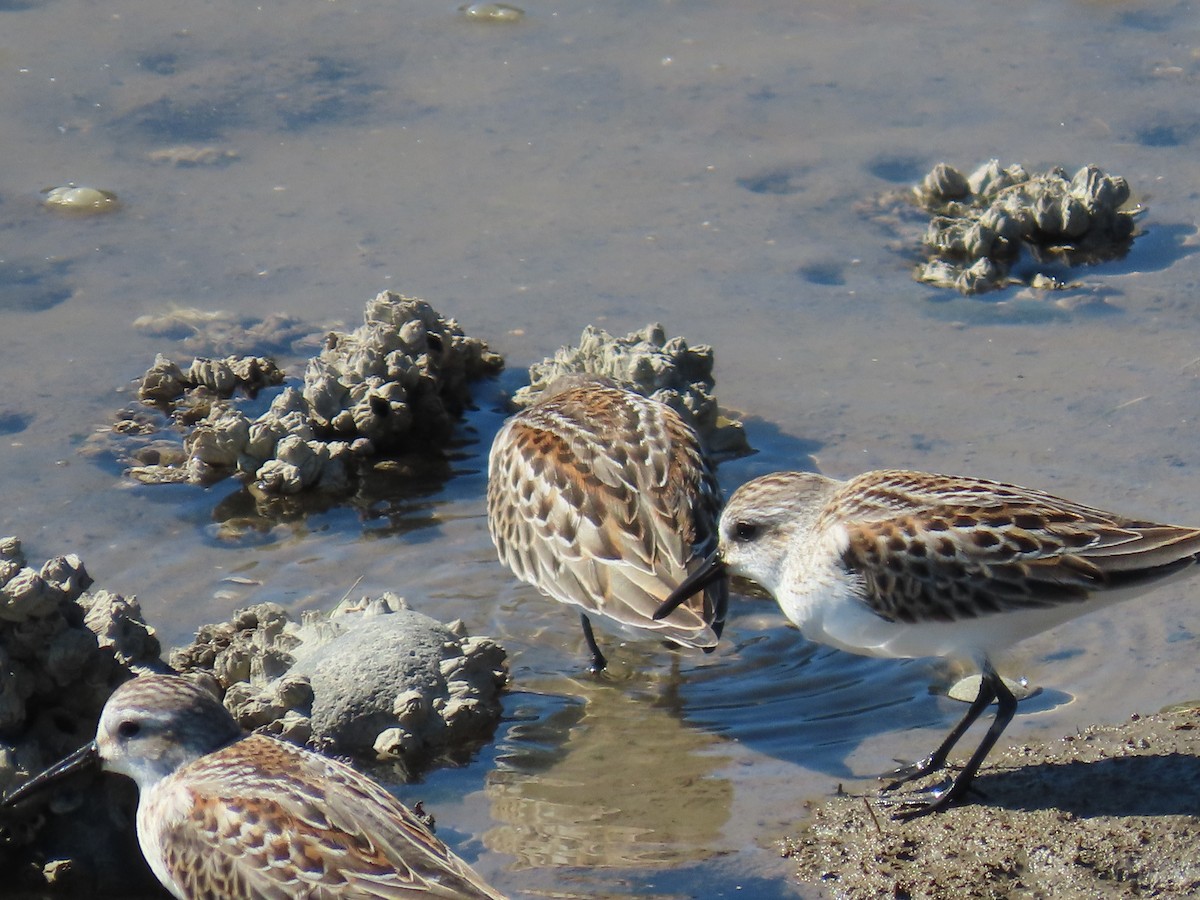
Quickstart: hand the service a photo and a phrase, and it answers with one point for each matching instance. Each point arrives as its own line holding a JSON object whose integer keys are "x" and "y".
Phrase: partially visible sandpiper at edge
{"x": 907, "y": 564}
{"x": 223, "y": 816}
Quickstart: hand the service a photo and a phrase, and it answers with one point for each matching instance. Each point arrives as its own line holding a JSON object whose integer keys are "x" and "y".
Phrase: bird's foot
{"x": 910, "y": 772}
{"x": 935, "y": 798}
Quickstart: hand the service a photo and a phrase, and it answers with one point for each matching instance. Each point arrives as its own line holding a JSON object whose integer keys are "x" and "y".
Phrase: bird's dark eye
{"x": 745, "y": 531}
{"x": 128, "y": 729}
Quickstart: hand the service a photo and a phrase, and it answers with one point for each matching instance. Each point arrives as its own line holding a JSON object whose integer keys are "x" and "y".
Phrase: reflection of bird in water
{"x": 552, "y": 810}
{"x": 906, "y": 564}
{"x": 606, "y": 500}
{"x": 230, "y": 817}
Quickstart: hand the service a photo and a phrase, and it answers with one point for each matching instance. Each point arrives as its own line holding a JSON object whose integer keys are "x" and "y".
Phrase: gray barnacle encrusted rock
{"x": 199, "y": 399}
{"x": 62, "y": 652}
{"x": 400, "y": 376}
{"x": 403, "y": 685}
{"x": 119, "y": 628}
{"x": 255, "y": 646}
{"x": 398, "y": 380}
{"x": 165, "y": 382}
{"x": 646, "y": 362}
{"x": 371, "y": 679}
{"x": 980, "y": 223}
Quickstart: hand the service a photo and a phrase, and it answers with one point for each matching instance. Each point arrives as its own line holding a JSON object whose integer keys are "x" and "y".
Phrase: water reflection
{"x": 392, "y": 496}
{"x": 611, "y": 777}
{"x": 670, "y": 777}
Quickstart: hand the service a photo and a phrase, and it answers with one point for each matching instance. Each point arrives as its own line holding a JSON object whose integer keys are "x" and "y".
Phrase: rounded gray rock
{"x": 359, "y": 676}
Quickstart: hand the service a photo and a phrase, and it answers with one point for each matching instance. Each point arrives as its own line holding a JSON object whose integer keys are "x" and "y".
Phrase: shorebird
{"x": 908, "y": 564}
{"x": 604, "y": 499}
{"x": 225, "y": 816}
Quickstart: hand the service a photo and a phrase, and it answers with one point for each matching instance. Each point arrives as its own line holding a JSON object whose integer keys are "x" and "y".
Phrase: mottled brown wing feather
{"x": 937, "y": 549}
{"x": 607, "y": 521}
{"x": 253, "y": 837}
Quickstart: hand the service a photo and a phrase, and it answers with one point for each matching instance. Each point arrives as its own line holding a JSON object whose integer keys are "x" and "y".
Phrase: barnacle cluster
{"x": 398, "y": 380}
{"x": 981, "y": 223}
{"x": 645, "y": 361}
{"x": 372, "y": 678}
{"x": 63, "y": 650}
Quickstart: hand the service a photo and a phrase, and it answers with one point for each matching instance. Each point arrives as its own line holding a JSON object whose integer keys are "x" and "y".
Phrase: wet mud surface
{"x": 1107, "y": 812}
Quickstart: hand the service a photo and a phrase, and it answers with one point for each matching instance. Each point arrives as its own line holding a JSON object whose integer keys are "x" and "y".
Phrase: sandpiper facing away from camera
{"x": 908, "y": 564}
{"x": 232, "y": 817}
{"x": 606, "y": 500}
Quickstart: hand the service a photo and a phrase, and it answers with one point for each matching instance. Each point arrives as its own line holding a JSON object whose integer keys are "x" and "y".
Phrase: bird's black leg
{"x": 937, "y": 759}
{"x": 599, "y": 663}
{"x": 1006, "y": 707}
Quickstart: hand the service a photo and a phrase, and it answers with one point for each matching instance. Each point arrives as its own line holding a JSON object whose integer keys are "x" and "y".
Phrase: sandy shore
{"x": 1111, "y": 812}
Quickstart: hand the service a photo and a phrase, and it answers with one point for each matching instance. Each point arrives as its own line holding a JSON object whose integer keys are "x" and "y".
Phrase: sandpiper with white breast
{"x": 605, "y": 500}
{"x": 908, "y": 564}
{"x": 226, "y": 816}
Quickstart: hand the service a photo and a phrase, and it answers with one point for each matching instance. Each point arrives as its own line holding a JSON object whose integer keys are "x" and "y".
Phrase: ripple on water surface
{"x": 800, "y": 702}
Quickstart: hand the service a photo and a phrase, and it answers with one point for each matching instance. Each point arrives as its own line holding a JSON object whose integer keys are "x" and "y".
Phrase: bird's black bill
{"x": 86, "y": 757}
{"x": 710, "y": 570}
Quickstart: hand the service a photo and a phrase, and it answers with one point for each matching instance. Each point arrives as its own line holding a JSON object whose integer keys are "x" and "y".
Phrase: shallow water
{"x": 702, "y": 164}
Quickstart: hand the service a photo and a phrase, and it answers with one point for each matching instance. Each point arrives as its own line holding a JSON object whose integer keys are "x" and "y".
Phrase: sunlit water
{"x": 707, "y": 165}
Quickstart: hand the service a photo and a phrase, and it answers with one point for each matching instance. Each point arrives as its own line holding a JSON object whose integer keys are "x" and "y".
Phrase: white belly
{"x": 828, "y": 610}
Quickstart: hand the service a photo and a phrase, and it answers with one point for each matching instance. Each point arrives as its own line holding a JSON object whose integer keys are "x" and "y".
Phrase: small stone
{"x": 492, "y": 12}
{"x": 80, "y": 199}
{"x": 967, "y": 689}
